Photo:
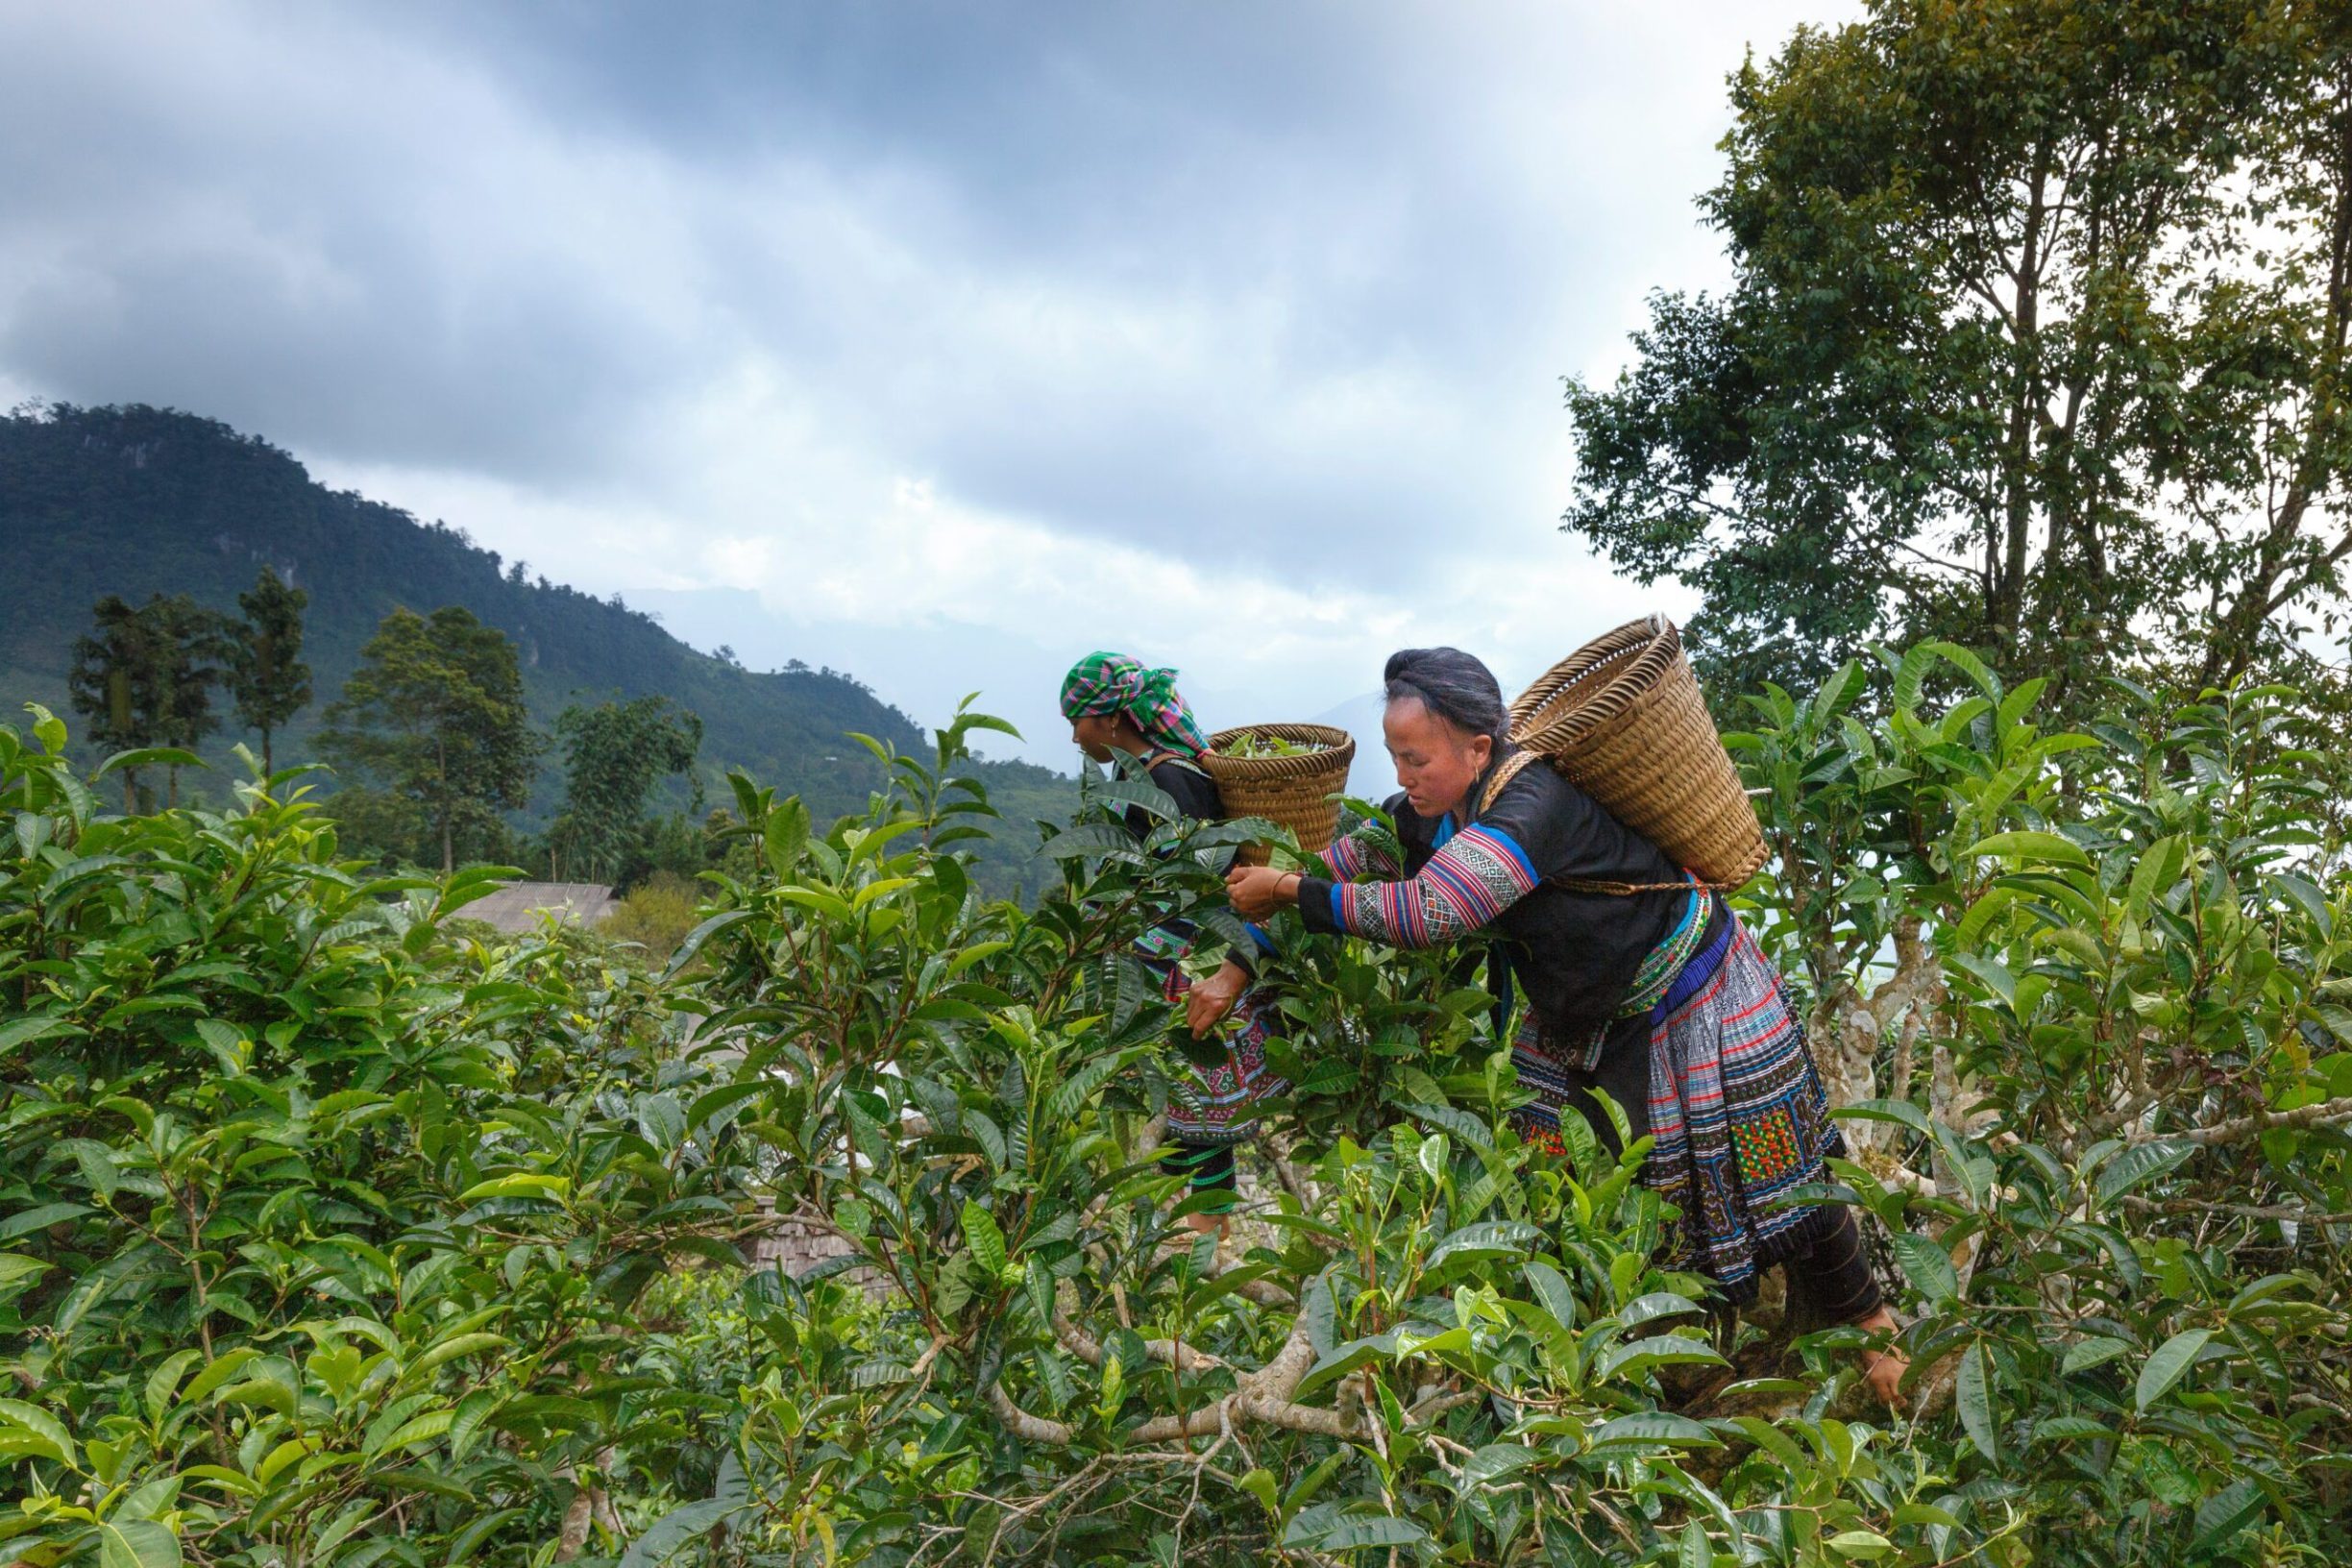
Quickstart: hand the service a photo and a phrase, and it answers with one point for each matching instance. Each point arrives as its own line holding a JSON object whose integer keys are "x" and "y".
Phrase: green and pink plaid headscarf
{"x": 1115, "y": 683}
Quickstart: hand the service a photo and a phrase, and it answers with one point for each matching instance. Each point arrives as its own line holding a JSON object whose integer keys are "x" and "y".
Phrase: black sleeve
{"x": 1193, "y": 791}
{"x": 1195, "y": 795}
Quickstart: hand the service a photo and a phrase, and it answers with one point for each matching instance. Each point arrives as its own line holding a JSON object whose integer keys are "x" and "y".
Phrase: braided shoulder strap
{"x": 1153, "y": 759}
{"x": 1511, "y": 768}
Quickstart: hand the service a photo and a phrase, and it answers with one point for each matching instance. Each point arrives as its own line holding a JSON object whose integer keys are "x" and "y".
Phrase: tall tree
{"x": 191, "y": 647}
{"x": 266, "y": 671}
{"x": 613, "y": 752}
{"x": 2037, "y": 339}
{"x": 144, "y": 677}
{"x": 112, "y": 684}
{"x": 435, "y": 711}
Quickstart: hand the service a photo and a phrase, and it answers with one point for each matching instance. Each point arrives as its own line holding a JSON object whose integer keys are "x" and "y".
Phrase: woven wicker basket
{"x": 1622, "y": 718}
{"x": 1302, "y": 792}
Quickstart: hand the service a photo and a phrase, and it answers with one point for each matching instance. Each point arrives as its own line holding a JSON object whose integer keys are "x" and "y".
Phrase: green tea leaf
{"x": 2095, "y": 1351}
{"x": 982, "y": 1235}
{"x": 1973, "y": 1392}
{"x": 2140, "y": 1163}
{"x": 136, "y": 1543}
{"x": 2033, "y": 846}
{"x": 44, "y": 1434}
{"x": 1927, "y": 1267}
{"x": 2167, "y": 1363}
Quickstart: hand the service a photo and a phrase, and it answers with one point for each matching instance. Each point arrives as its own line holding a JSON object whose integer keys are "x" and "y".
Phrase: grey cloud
{"x": 311, "y": 258}
{"x": 1293, "y": 267}
{"x": 387, "y": 370}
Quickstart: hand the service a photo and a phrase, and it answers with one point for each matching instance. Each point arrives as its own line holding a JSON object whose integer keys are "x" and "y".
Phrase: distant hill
{"x": 135, "y": 501}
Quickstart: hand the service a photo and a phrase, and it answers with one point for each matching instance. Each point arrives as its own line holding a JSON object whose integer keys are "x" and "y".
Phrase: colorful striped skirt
{"x": 1737, "y": 1111}
{"x": 1211, "y": 1101}
{"x": 1214, "y": 1103}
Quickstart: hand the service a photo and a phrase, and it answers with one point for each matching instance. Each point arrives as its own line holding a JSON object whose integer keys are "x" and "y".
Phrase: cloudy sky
{"x": 938, "y": 342}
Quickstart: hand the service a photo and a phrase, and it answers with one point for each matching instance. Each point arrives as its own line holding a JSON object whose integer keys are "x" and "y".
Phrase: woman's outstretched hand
{"x": 1209, "y": 1000}
{"x": 1259, "y": 891}
{"x": 1883, "y": 1369}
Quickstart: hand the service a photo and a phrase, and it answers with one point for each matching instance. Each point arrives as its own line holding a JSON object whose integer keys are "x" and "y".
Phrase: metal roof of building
{"x": 520, "y": 906}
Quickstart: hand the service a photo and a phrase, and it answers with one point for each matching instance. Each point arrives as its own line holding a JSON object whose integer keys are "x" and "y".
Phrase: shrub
{"x": 325, "y": 1232}
{"x": 336, "y": 1235}
{"x": 655, "y": 915}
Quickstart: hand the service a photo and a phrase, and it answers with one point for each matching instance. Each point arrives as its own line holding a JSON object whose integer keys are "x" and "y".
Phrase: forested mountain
{"x": 133, "y": 500}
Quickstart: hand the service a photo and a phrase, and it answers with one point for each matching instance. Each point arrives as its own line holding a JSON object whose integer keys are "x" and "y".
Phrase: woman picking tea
{"x": 1119, "y": 707}
{"x": 1640, "y": 982}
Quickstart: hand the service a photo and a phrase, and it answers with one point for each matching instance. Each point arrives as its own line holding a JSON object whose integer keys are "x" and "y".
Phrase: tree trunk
{"x": 2006, "y": 609}
{"x": 129, "y": 792}
{"x": 267, "y": 766}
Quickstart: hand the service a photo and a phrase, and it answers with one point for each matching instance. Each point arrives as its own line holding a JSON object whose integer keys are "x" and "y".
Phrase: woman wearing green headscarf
{"x": 1121, "y": 708}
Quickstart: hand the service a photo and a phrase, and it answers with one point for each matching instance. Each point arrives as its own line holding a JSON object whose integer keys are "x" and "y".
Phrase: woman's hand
{"x": 1209, "y": 1000}
{"x": 1259, "y": 891}
{"x": 1883, "y": 1369}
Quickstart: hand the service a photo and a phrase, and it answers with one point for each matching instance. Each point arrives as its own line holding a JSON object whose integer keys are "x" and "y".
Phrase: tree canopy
{"x": 2036, "y": 339}
{"x": 144, "y": 677}
{"x": 613, "y": 754}
{"x": 435, "y": 711}
{"x": 266, "y": 671}
{"x": 112, "y": 683}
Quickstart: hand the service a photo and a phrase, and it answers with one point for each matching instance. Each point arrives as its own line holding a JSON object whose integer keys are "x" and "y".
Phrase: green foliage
{"x": 144, "y": 677}
{"x": 131, "y": 500}
{"x": 2079, "y": 992}
{"x": 112, "y": 683}
{"x": 613, "y": 752}
{"x": 2036, "y": 339}
{"x": 342, "y": 1239}
{"x": 325, "y": 1232}
{"x": 266, "y": 671}
{"x": 655, "y": 915}
{"x": 436, "y": 712}
{"x": 191, "y": 647}
{"x": 1257, "y": 744}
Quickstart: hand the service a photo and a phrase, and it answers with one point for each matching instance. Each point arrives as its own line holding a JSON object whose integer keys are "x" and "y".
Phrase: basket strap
{"x": 1510, "y": 767}
{"x": 1626, "y": 890}
{"x": 1153, "y": 759}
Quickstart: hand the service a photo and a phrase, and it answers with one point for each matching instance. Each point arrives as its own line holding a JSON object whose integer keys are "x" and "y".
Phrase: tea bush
{"x": 326, "y": 1233}
{"x": 336, "y": 1235}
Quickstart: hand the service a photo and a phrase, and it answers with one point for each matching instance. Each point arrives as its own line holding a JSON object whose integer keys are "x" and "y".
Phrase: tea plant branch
{"x": 1435, "y": 1405}
{"x": 1166, "y": 1352}
{"x": 1262, "y": 1396}
{"x": 2286, "y": 1212}
{"x": 2240, "y": 1129}
{"x": 1278, "y": 1156}
{"x": 1079, "y": 1485}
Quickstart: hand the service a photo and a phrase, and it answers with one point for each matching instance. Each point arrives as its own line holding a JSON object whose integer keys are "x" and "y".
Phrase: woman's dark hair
{"x": 1455, "y": 686}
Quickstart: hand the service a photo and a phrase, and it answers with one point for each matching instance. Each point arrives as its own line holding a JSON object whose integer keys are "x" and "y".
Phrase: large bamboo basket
{"x": 1302, "y": 793}
{"x": 1622, "y": 718}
